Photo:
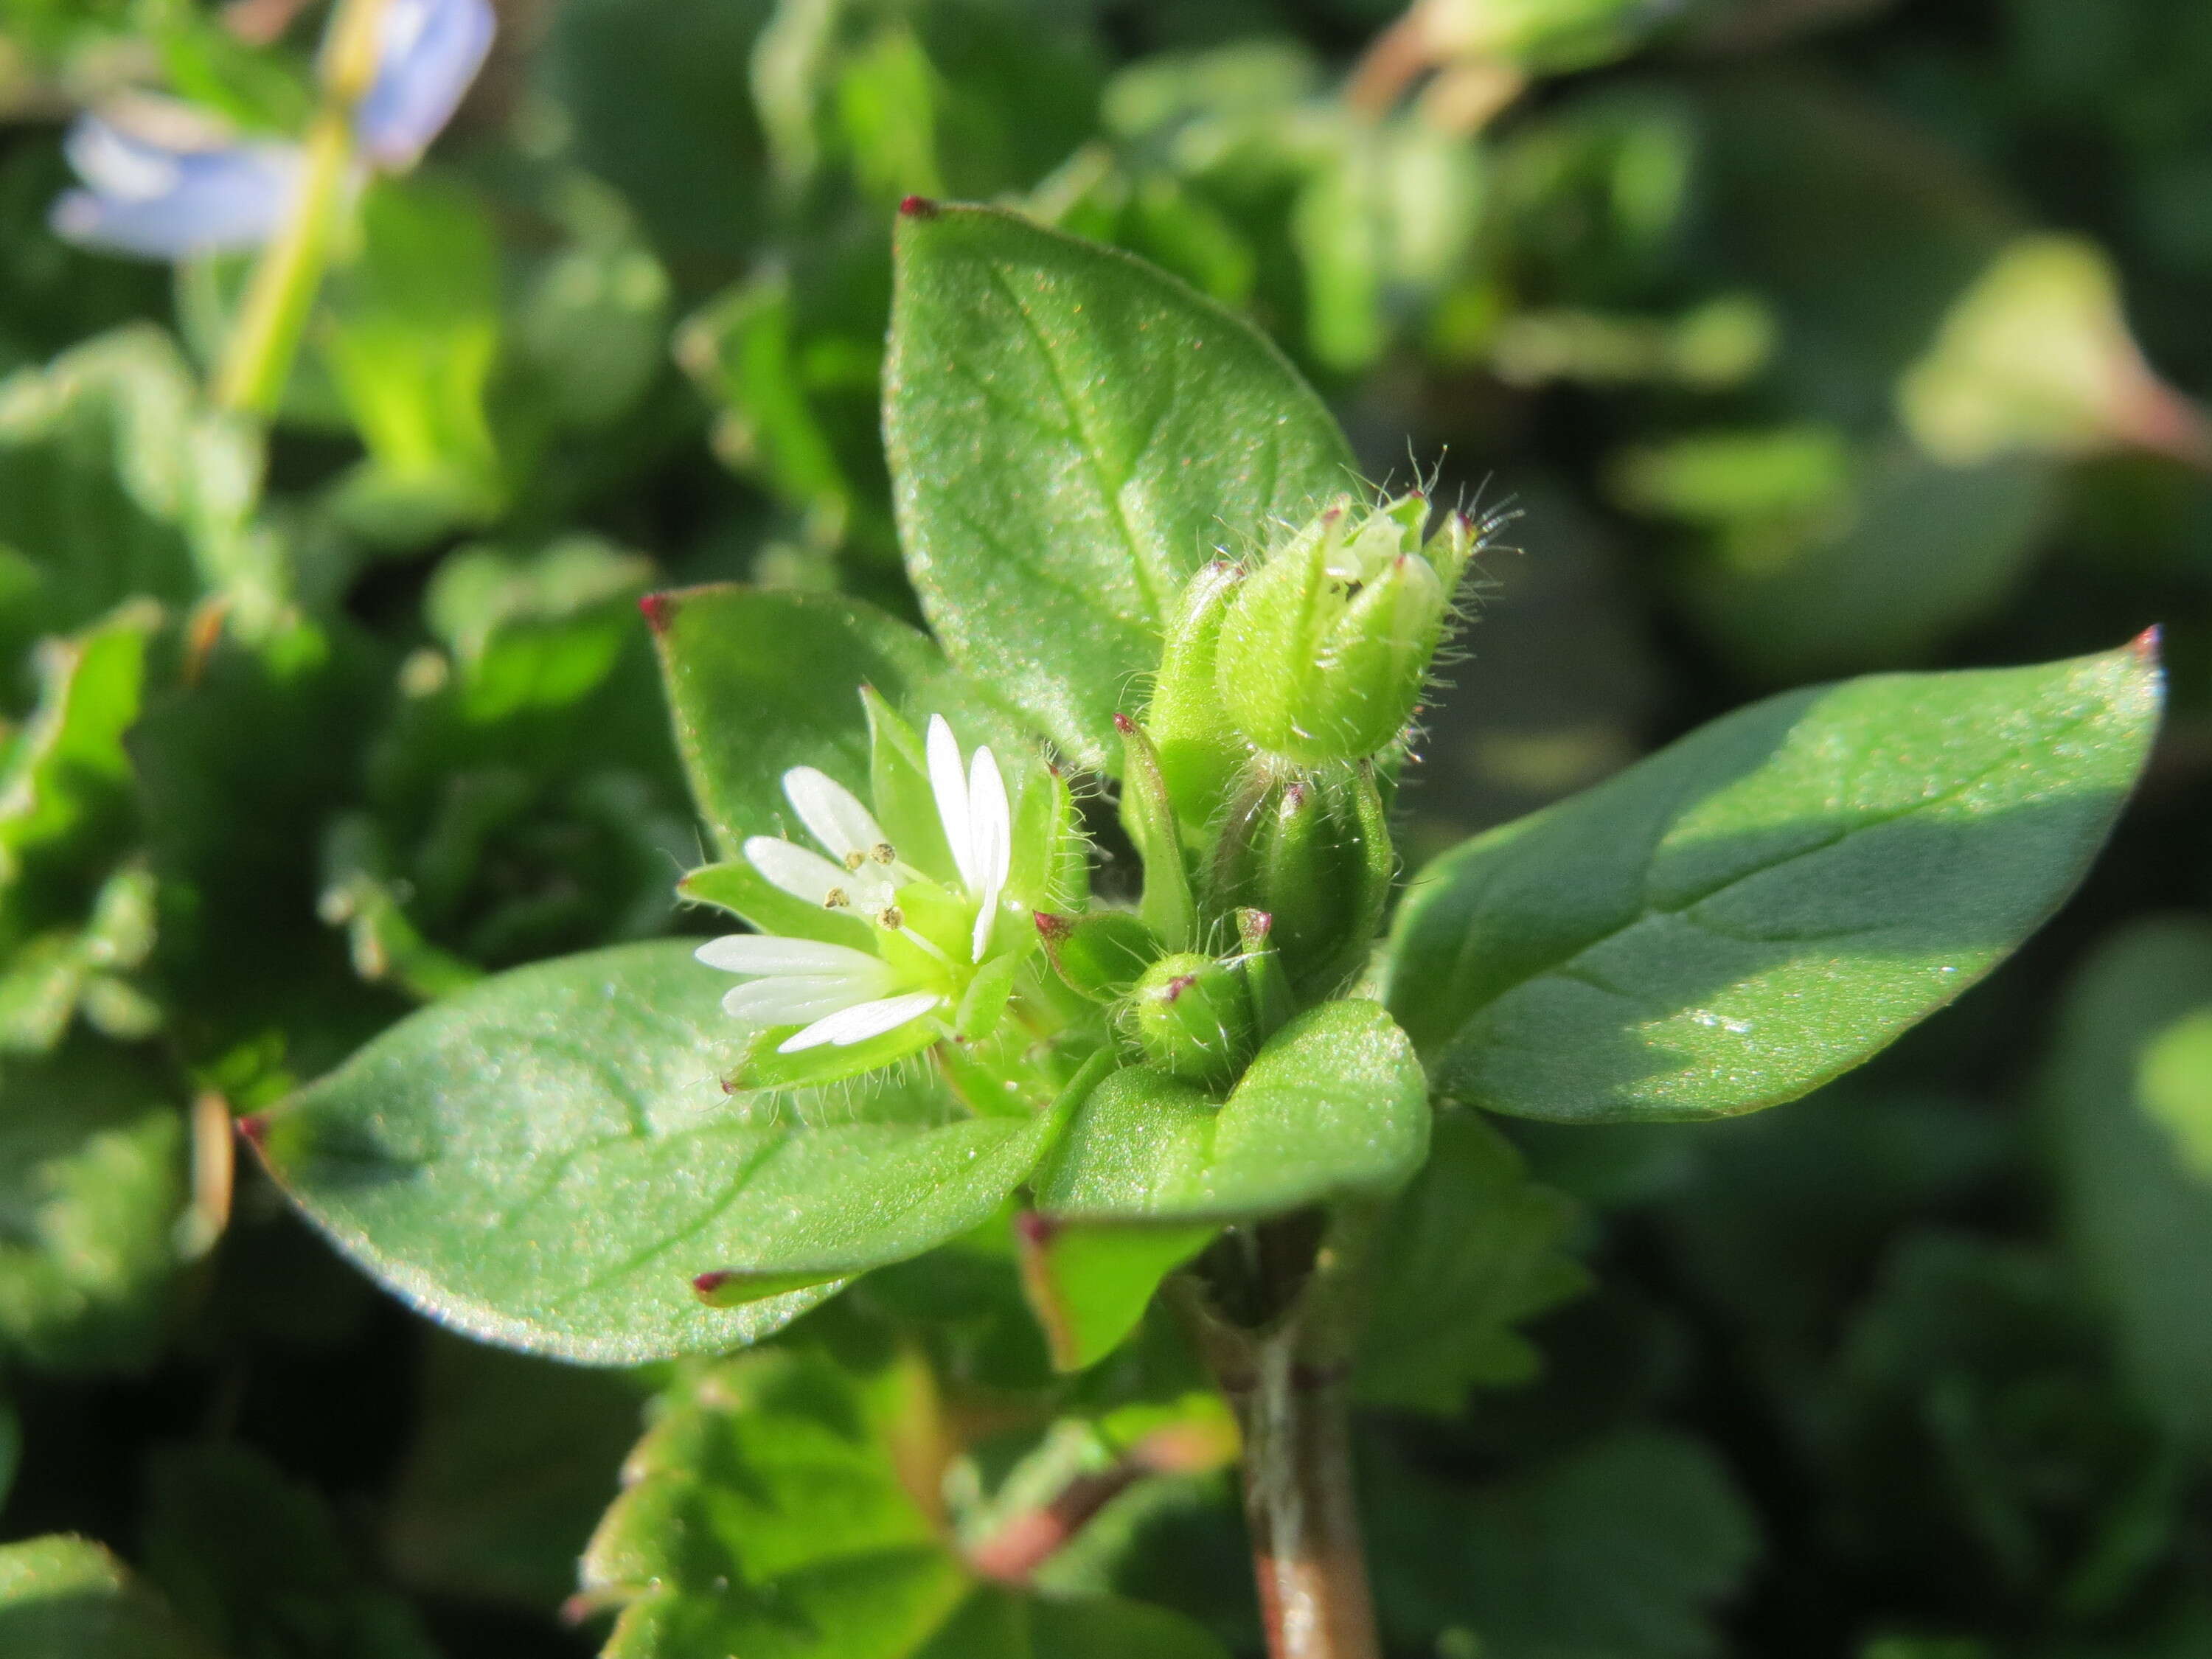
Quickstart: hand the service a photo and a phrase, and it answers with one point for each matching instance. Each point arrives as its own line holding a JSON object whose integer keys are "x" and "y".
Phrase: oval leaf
{"x": 1335, "y": 1103}
{"x": 548, "y": 1160}
{"x": 1768, "y": 902}
{"x": 762, "y": 680}
{"x": 1072, "y": 432}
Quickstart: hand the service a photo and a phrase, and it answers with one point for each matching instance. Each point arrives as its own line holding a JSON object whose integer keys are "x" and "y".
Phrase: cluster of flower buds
{"x": 1254, "y": 787}
{"x": 1254, "y": 790}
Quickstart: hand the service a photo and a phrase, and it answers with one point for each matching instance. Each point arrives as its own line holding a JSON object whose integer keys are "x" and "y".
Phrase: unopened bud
{"x": 1313, "y": 851}
{"x": 1193, "y": 1016}
{"x": 1201, "y": 750}
{"x": 1323, "y": 651}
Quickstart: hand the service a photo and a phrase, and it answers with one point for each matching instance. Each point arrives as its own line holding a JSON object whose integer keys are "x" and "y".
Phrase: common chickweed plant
{"x": 1071, "y": 933}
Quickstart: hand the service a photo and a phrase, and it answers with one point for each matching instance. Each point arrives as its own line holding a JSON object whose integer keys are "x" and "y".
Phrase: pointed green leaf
{"x": 1089, "y": 1285}
{"x": 548, "y": 1160}
{"x": 1763, "y": 905}
{"x": 1335, "y": 1103}
{"x": 761, "y": 681}
{"x": 1073, "y": 433}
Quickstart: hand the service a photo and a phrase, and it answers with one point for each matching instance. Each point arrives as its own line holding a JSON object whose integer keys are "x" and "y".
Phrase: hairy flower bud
{"x": 1323, "y": 651}
{"x": 1193, "y": 1016}
{"x": 1201, "y": 752}
{"x": 1311, "y": 849}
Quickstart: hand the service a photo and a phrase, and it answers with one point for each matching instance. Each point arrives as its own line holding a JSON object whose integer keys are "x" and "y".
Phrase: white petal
{"x": 794, "y": 1001}
{"x": 769, "y": 953}
{"x": 857, "y": 1024}
{"x": 991, "y": 835}
{"x": 807, "y": 875}
{"x": 831, "y": 813}
{"x": 951, "y": 792}
{"x": 990, "y": 820}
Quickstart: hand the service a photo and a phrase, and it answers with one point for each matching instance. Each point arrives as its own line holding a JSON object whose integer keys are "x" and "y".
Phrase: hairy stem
{"x": 1289, "y": 1382}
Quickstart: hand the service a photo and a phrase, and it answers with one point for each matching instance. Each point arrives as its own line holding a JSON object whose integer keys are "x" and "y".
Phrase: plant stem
{"x": 1306, "y": 1552}
{"x": 256, "y": 359}
{"x": 1289, "y": 1383}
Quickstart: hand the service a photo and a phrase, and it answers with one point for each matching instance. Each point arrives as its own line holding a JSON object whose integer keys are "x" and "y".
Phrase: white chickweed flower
{"x": 840, "y": 996}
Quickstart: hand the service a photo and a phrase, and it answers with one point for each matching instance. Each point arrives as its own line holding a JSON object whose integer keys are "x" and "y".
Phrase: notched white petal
{"x": 951, "y": 788}
{"x": 769, "y": 953}
{"x": 857, "y": 1024}
{"x": 806, "y": 874}
{"x": 790, "y": 1001}
{"x": 833, "y": 815}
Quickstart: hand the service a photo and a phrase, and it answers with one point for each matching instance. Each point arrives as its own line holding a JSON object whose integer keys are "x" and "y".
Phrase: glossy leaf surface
{"x": 548, "y": 1161}
{"x": 1072, "y": 433}
{"x": 1335, "y": 1103}
{"x": 762, "y": 681}
{"x": 1762, "y": 906}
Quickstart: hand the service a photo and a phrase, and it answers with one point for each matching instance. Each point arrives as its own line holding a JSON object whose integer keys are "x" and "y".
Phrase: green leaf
{"x": 412, "y": 340}
{"x": 1761, "y": 907}
{"x": 2121, "y": 1087}
{"x": 91, "y": 1185}
{"x": 115, "y": 483}
{"x": 761, "y": 681}
{"x": 1089, "y": 1285}
{"x": 67, "y": 1598}
{"x": 768, "y": 1512}
{"x": 1335, "y": 1103}
{"x": 257, "y": 1563}
{"x": 509, "y": 1469}
{"x": 1471, "y": 1248}
{"x": 1617, "y": 1551}
{"x": 548, "y": 1160}
{"x": 537, "y": 631}
{"x": 1072, "y": 433}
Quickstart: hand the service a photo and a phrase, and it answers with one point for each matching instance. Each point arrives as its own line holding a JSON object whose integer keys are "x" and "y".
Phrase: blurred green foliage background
{"x": 1806, "y": 337}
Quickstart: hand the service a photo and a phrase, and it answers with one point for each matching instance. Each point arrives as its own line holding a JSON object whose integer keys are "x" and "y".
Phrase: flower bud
{"x": 1324, "y": 649}
{"x": 1201, "y": 750}
{"x": 1193, "y": 1018}
{"x": 1312, "y": 850}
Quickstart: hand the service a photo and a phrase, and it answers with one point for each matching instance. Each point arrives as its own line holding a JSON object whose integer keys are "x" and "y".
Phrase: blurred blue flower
{"x": 152, "y": 194}
{"x": 162, "y": 200}
{"x": 432, "y": 52}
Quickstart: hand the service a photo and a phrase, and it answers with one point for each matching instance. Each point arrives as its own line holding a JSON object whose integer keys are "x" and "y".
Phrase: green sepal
{"x": 764, "y": 1067}
{"x": 1312, "y": 849}
{"x": 1099, "y": 955}
{"x": 737, "y": 887}
{"x": 1148, "y": 814}
{"x": 1051, "y": 863}
{"x": 1273, "y": 1003}
{"x": 898, "y": 783}
{"x": 984, "y": 1002}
